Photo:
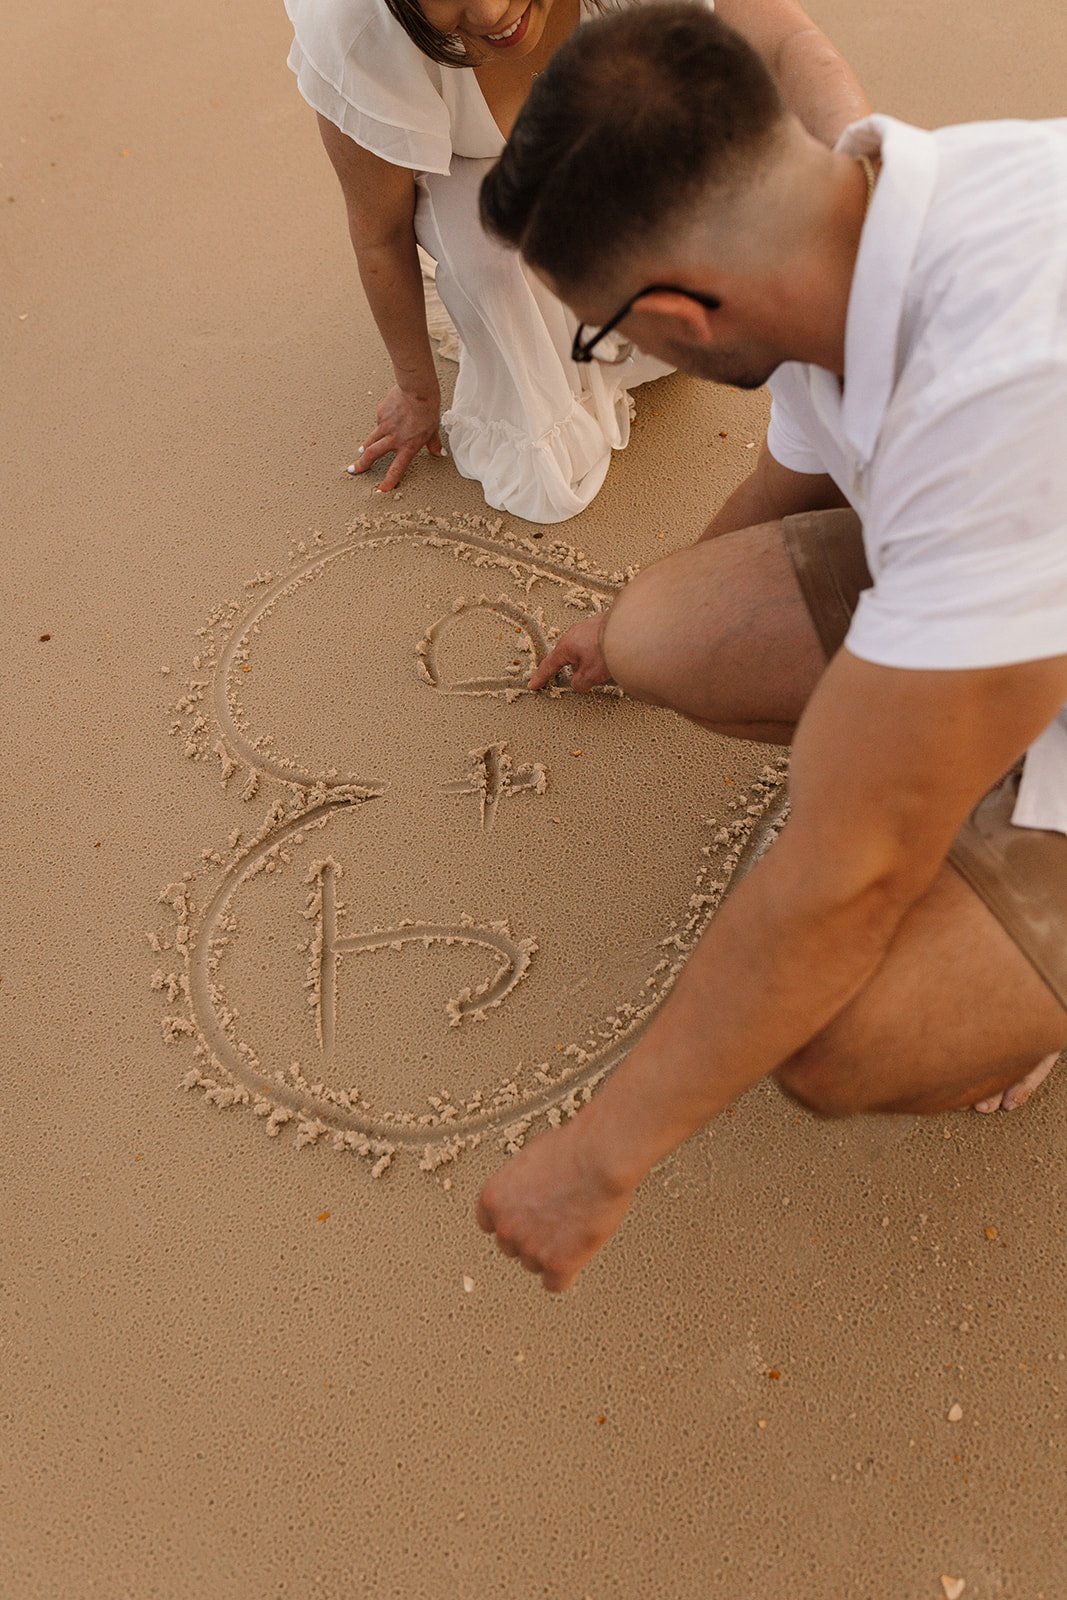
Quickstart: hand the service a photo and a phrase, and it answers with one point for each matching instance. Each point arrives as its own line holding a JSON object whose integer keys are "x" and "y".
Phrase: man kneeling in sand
{"x": 902, "y": 947}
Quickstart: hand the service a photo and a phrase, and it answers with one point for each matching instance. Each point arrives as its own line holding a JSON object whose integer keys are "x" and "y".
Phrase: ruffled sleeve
{"x": 357, "y": 67}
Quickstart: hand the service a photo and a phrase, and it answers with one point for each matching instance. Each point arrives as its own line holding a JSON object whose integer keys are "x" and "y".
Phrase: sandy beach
{"x": 313, "y": 913}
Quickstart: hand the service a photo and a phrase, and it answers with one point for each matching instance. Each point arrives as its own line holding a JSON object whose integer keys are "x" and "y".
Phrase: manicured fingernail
{"x": 444, "y": 455}
{"x": 351, "y": 469}
{"x": 361, "y": 449}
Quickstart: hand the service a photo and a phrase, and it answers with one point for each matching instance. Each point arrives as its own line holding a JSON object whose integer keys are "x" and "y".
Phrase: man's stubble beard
{"x": 731, "y": 368}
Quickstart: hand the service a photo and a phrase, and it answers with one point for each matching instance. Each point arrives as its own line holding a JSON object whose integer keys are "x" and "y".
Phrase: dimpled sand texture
{"x": 282, "y": 825}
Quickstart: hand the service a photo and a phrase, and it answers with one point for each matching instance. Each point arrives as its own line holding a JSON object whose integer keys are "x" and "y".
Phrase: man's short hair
{"x": 636, "y": 116}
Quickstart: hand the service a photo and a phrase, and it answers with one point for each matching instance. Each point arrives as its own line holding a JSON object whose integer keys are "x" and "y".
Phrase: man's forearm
{"x": 746, "y": 507}
{"x": 771, "y": 971}
{"x": 770, "y": 493}
{"x": 768, "y": 498}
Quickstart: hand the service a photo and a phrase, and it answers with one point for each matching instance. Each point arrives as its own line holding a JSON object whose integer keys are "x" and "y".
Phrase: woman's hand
{"x": 380, "y": 201}
{"x": 580, "y": 649}
{"x": 407, "y": 422}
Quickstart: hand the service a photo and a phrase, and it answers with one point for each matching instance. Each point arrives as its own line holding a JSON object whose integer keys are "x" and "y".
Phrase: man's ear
{"x": 687, "y": 318}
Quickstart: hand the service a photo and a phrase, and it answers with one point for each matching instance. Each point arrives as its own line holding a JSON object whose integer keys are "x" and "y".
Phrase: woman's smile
{"x": 513, "y": 34}
{"x": 488, "y": 26}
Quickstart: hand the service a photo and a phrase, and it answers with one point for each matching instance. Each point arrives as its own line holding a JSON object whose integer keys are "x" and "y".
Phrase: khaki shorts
{"x": 1020, "y": 873}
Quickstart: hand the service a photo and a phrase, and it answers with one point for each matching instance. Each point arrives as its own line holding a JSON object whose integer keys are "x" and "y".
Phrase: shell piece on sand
{"x": 955, "y": 1413}
{"x": 953, "y": 1587}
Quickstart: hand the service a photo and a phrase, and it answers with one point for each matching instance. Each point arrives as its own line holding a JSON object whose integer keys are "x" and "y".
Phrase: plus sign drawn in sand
{"x": 434, "y": 933}
{"x": 494, "y": 776}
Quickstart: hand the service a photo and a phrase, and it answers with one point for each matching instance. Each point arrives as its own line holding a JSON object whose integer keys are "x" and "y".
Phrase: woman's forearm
{"x": 813, "y": 78}
{"x": 817, "y": 83}
{"x": 380, "y": 202}
{"x": 392, "y": 281}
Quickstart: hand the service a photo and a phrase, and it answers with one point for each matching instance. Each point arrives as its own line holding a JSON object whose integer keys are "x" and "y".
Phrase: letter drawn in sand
{"x": 493, "y": 775}
{"x": 328, "y": 946}
{"x": 529, "y": 632}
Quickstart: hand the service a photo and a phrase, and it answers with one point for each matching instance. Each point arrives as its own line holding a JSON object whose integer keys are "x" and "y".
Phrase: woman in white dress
{"x": 414, "y": 104}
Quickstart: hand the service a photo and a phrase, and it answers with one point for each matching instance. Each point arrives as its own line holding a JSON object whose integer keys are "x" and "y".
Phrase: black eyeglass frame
{"x": 582, "y": 348}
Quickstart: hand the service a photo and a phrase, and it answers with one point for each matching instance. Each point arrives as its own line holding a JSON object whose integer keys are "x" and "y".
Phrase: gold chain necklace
{"x": 868, "y": 172}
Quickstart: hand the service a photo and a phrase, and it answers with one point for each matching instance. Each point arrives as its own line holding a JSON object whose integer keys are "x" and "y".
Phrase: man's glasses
{"x": 584, "y": 346}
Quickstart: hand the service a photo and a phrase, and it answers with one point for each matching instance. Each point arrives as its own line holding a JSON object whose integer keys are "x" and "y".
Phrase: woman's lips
{"x": 512, "y": 38}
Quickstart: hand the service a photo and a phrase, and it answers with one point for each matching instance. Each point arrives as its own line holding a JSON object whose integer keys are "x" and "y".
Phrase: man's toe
{"x": 1020, "y": 1092}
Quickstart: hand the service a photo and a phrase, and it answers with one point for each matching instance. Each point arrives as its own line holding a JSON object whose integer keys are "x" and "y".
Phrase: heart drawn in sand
{"x": 433, "y": 934}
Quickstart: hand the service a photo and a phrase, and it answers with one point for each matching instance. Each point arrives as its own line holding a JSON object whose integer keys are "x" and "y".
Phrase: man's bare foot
{"x": 1020, "y": 1092}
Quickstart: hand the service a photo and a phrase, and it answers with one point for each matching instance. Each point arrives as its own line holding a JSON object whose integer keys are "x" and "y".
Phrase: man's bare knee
{"x": 719, "y": 632}
{"x": 634, "y": 634}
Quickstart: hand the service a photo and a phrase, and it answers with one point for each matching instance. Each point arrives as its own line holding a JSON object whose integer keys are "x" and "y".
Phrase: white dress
{"x": 533, "y": 427}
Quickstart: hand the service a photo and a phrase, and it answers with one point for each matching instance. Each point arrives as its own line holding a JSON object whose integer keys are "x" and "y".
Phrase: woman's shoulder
{"x": 330, "y": 28}
{"x": 358, "y": 68}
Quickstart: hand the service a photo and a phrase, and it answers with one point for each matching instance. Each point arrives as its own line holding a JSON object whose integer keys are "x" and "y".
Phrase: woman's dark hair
{"x": 443, "y": 48}
{"x": 635, "y": 118}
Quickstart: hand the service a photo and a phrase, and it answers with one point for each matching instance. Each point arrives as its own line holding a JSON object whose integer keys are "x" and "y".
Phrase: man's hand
{"x": 554, "y": 1205}
{"x": 580, "y": 649}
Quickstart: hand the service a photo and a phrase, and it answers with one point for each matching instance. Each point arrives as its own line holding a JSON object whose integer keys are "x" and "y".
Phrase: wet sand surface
{"x": 312, "y": 913}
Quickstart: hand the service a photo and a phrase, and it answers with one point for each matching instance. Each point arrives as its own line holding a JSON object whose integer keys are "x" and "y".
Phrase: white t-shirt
{"x": 949, "y": 436}
{"x": 357, "y": 67}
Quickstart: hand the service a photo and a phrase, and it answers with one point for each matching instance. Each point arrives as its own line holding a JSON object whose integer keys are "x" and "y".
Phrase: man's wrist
{"x": 618, "y": 1155}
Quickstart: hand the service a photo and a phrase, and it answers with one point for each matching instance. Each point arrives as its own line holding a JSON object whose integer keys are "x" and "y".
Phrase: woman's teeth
{"x": 507, "y": 31}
